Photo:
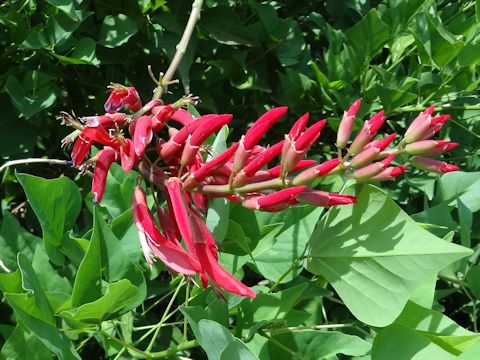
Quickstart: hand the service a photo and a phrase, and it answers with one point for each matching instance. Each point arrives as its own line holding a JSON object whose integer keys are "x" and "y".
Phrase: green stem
{"x": 165, "y": 313}
{"x": 313, "y": 327}
{"x": 446, "y": 107}
{"x": 175, "y": 349}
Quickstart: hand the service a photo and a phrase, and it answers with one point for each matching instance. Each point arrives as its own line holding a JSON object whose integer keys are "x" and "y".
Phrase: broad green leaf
{"x": 58, "y": 343}
{"x": 22, "y": 344}
{"x": 117, "y": 299}
{"x": 375, "y": 255}
{"x": 469, "y": 55}
{"x": 277, "y": 251}
{"x": 462, "y": 185}
{"x": 235, "y": 241}
{"x": 66, "y": 6}
{"x": 116, "y": 30}
{"x": 314, "y": 345}
{"x": 216, "y": 339}
{"x": 32, "y": 285}
{"x": 118, "y": 190}
{"x": 406, "y": 344}
{"x": 368, "y": 35}
{"x": 393, "y": 98}
{"x": 15, "y": 239}
{"x": 56, "y": 204}
{"x": 29, "y": 103}
{"x": 225, "y": 26}
{"x": 87, "y": 286}
{"x": 49, "y": 278}
{"x": 85, "y": 51}
{"x": 473, "y": 280}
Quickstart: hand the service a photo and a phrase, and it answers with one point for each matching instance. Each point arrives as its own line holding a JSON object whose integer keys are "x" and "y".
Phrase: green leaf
{"x": 119, "y": 190}
{"x": 58, "y": 343}
{"x": 66, "y": 6}
{"x": 406, "y": 344}
{"x": 469, "y": 55}
{"x": 116, "y": 30}
{"x": 375, "y": 255}
{"x": 26, "y": 103}
{"x": 31, "y": 285}
{"x": 314, "y": 345}
{"x": 225, "y": 26}
{"x": 56, "y": 204}
{"x": 276, "y": 252}
{"x": 87, "y": 286}
{"x": 49, "y": 278}
{"x": 117, "y": 299}
{"x": 15, "y": 239}
{"x": 219, "y": 343}
{"x": 368, "y": 35}
{"x": 473, "y": 280}
{"x": 22, "y": 344}
{"x": 461, "y": 185}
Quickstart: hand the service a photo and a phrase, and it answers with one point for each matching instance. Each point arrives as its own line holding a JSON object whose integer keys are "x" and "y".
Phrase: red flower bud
{"x": 143, "y": 134}
{"x": 105, "y": 158}
{"x": 429, "y": 147}
{"x": 346, "y": 125}
{"x": 273, "y": 199}
{"x": 260, "y": 127}
{"x": 367, "y": 133}
{"x": 371, "y": 170}
{"x": 307, "y": 176}
{"x": 324, "y": 199}
{"x": 390, "y": 173}
{"x": 432, "y": 165}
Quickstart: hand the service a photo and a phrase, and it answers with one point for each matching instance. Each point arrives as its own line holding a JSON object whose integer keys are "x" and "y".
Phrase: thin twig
{"x": 33, "y": 160}
{"x": 181, "y": 49}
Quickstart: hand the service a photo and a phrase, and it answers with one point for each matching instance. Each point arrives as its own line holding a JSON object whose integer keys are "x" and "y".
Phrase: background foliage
{"x": 392, "y": 285}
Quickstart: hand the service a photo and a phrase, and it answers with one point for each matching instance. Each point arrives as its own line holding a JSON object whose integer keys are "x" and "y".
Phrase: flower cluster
{"x": 173, "y": 160}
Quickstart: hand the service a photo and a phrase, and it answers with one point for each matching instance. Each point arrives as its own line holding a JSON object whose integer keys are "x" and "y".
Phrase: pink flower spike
{"x": 260, "y": 127}
{"x": 432, "y": 165}
{"x": 346, "y": 125}
{"x": 143, "y": 134}
{"x": 273, "y": 199}
{"x": 390, "y": 173}
{"x": 324, "y": 199}
{"x": 105, "y": 158}
{"x": 299, "y": 126}
{"x": 307, "y": 176}
{"x": 256, "y": 164}
{"x": 306, "y": 140}
{"x": 302, "y": 164}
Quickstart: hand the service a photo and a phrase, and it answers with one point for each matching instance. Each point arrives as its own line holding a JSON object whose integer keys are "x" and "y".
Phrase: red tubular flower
{"x": 419, "y": 126}
{"x": 155, "y": 243}
{"x": 105, "y": 158}
{"x": 299, "y": 147}
{"x": 367, "y": 133}
{"x": 121, "y": 96}
{"x": 80, "y": 149}
{"x": 143, "y": 134}
{"x": 207, "y": 169}
{"x": 390, "y": 173}
{"x": 201, "y": 134}
{"x": 371, "y": 151}
{"x": 179, "y": 208}
{"x": 256, "y": 164}
{"x": 371, "y": 170}
{"x": 429, "y": 147}
{"x": 346, "y": 125}
{"x": 127, "y": 155}
{"x": 206, "y": 252}
{"x": 307, "y": 176}
{"x": 324, "y": 199}
{"x": 436, "y": 166}
{"x": 107, "y": 121}
{"x": 302, "y": 164}
{"x": 280, "y": 197}
{"x": 254, "y": 134}
{"x": 297, "y": 128}
{"x": 100, "y": 135}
